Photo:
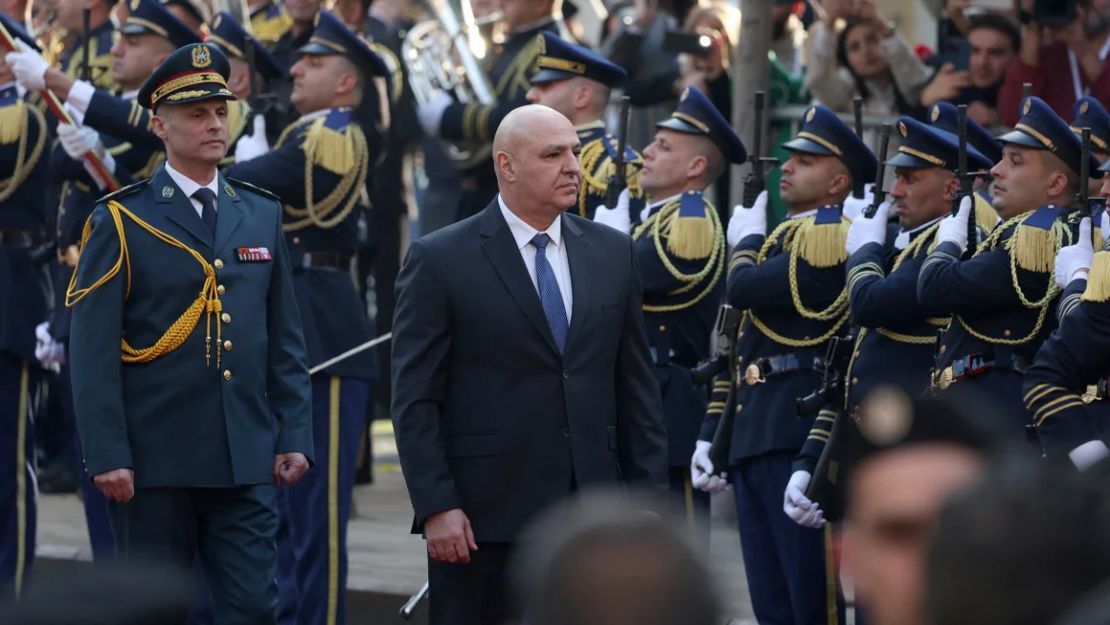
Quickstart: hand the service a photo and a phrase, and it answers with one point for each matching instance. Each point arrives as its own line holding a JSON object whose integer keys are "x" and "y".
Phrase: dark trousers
{"x": 231, "y": 530}
{"x": 691, "y": 504}
{"x": 320, "y": 504}
{"x": 472, "y": 594}
{"x": 18, "y": 381}
{"x": 791, "y": 575}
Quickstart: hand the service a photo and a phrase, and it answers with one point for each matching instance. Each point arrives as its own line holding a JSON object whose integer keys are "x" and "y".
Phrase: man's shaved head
{"x": 535, "y": 153}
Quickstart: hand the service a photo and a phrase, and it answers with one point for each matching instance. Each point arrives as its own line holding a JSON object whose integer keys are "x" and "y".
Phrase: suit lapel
{"x": 581, "y": 258}
{"x": 228, "y": 213}
{"x": 178, "y": 208}
{"x": 500, "y": 247}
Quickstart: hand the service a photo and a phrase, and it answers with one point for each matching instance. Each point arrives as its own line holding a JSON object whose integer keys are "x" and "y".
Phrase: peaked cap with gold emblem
{"x": 193, "y": 73}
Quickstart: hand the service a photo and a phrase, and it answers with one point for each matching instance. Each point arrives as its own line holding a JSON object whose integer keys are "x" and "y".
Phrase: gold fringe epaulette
{"x": 985, "y": 215}
{"x": 13, "y": 121}
{"x": 15, "y": 127}
{"x": 1098, "y": 279}
{"x": 819, "y": 240}
{"x": 1037, "y": 238}
{"x": 344, "y": 153}
{"x": 269, "y": 29}
{"x": 334, "y": 150}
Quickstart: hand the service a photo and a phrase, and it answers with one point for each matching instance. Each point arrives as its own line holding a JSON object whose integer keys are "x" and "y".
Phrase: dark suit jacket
{"x": 175, "y": 420}
{"x": 488, "y": 415}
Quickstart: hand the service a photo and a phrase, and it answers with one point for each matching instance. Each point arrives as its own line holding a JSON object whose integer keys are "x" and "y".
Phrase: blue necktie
{"x": 207, "y": 200}
{"x": 550, "y": 298}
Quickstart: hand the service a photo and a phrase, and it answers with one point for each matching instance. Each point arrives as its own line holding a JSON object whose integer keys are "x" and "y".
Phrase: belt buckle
{"x": 753, "y": 375}
{"x": 1091, "y": 395}
{"x": 943, "y": 379}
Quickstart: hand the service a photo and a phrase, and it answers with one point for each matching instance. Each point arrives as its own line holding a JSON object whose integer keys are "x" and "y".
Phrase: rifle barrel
{"x": 880, "y": 174}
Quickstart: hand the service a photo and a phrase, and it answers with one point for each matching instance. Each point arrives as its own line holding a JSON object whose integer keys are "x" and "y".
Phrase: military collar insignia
{"x": 167, "y": 192}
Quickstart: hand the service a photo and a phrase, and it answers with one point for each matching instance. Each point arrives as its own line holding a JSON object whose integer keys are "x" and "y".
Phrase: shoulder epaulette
{"x": 1037, "y": 238}
{"x": 123, "y": 191}
{"x": 250, "y": 187}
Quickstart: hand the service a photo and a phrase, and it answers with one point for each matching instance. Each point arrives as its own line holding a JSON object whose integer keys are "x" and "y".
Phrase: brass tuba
{"x": 440, "y": 55}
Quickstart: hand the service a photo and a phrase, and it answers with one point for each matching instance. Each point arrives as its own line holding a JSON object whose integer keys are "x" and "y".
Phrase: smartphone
{"x": 961, "y": 57}
{"x": 1054, "y": 13}
{"x": 681, "y": 42}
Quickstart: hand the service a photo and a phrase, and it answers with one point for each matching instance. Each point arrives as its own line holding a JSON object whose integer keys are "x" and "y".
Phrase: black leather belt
{"x": 18, "y": 238}
{"x": 974, "y": 365}
{"x": 326, "y": 260}
{"x": 760, "y": 369}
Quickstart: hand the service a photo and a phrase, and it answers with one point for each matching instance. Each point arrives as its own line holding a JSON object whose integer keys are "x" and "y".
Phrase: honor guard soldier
{"x": 509, "y": 68}
{"x": 681, "y": 251}
{"x": 247, "y": 125}
{"x": 791, "y": 286}
{"x": 269, "y": 21}
{"x": 897, "y": 335}
{"x": 576, "y": 82}
{"x": 945, "y": 116}
{"x": 322, "y": 212}
{"x": 189, "y": 368}
{"x": 24, "y": 228}
{"x": 1001, "y": 298}
{"x": 97, "y": 43}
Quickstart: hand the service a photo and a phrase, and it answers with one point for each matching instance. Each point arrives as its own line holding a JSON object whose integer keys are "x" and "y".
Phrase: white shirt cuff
{"x": 1088, "y": 454}
{"x": 80, "y": 95}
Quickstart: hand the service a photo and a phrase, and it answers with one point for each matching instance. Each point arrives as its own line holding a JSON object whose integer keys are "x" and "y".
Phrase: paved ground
{"x": 386, "y": 562}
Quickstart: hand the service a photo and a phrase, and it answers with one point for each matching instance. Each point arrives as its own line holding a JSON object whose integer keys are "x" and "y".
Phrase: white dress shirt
{"x": 189, "y": 186}
{"x": 556, "y": 251}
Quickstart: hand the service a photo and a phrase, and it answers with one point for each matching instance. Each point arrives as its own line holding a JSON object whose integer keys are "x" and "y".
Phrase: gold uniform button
{"x": 855, "y": 381}
{"x": 227, "y": 374}
{"x": 296, "y": 240}
{"x": 226, "y": 318}
{"x": 662, "y": 328}
{"x": 1005, "y": 333}
{"x": 219, "y": 264}
{"x": 221, "y": 290}
{"x": 228, "y": 346}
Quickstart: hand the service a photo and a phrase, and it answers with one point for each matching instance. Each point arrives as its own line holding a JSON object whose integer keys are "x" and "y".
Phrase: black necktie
{"x": 207, "y": 201}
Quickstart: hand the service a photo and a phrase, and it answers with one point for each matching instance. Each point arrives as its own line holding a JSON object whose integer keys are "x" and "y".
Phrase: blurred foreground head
{"x": 611, "y": 559}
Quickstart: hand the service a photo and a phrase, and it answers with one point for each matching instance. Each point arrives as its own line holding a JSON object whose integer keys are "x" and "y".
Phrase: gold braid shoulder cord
{"x": 1063, "y": 237}
{"x": 658, "y": 225}
{"x": 207, "y": 302}
{"x": 596, "y": 183}
{"x": 24, "y": 163}
{"x": 837, "y": 312}
{"x": 320, "y": 214}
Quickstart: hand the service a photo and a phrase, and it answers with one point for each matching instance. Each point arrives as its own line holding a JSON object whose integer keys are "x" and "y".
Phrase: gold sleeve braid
{"x": 658, "y": 226}
{"x": 20, "y": 116}
{"x": 597, "y": 167}
{"x": 792, "y": 233}
{"x": 345, "y": 154}
{"x": 923, "y": 241}
{"x": 1062, "y": 237}
{"x": 207, "y": 303}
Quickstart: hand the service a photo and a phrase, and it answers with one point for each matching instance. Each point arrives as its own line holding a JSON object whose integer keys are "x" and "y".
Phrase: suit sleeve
{"x": 420, "y": 359}
{"x": 642, "y": 439}
{"x": 978, "y": 285}
{"x": 288, "y": 387}
{"x": 121, "y": 118}
{"x": 94, "y": 352}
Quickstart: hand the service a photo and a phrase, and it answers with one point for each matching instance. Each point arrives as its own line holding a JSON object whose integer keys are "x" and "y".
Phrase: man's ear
{"x": 1058, "y": 186}
{"x": 583, "y": 95}
{"x": 158, "y": 126}
{"x": 697, "y": 166}
{"x": 505, "y": 166}
{"x": 841, "y": 184}
{"x": 348, "y": 81}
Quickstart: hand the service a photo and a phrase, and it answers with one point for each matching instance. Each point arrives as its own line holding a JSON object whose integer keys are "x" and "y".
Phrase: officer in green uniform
{"x": 576, "y": 82}
{"x": 190, "y": 374}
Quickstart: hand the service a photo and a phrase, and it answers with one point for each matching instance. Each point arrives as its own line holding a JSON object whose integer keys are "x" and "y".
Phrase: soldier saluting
{"x": 189, "y": 369}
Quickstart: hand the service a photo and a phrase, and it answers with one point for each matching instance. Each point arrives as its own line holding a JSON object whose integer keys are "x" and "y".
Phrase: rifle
{"x": 880, "y": 175}
{"x": 259, "y": 102}
{"x": 86, "y": 45}
{"x": 966, "y": 180}
{"x": 838, "y": 356}
{"x": 1092, "y": 207}
{"x": 8, "y": 43}
{"x": 756, "y": 180}
{"x": 857, "y": 115}
{"x": 619, "y": 180}
{"x": 726, "y": 328}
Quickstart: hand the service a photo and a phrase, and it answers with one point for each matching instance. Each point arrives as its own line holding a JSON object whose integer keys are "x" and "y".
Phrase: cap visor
{"x": 549, "y": 75}
{"x": 677, "y": 125}
{"x": 806, "y": 146}
{"x": 1018, "y": 137}
{"x": 908, "y": 161}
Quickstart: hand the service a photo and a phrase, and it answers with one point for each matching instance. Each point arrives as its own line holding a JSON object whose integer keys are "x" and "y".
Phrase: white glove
{"x": 797, "y": 506}
{"x": 1074, "y": 261}
{"x": 1104, "y": 225}
{"x": 1088, "y": 454}
{"x": 49, "y": 352}
{"x": 431, "y": 114}
{"x": 29, "y": 68}
{"x": 866, "y": 229}
{"x": 701, "y": 470}
{"x": 953, "y": 228}
{"x": 254, "y": 144}
{"x": 746, "y": 222}
{"x": 78, "y": 140}
{"x": 616, "y": 218}
{"x": 853, "y": 206}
